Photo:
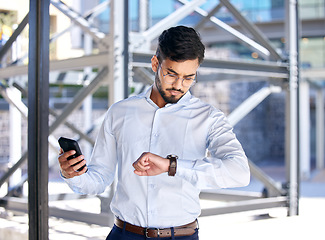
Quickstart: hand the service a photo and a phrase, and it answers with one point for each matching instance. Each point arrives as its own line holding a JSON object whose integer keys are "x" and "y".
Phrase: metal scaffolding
{"x": 122, "y": 53}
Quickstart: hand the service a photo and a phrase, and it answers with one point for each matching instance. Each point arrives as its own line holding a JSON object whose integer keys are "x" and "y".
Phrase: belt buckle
{"x": 146, "y": 232}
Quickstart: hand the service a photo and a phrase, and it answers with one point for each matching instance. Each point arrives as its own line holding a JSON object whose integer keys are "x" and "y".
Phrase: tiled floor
{"x": 262, "y": 224}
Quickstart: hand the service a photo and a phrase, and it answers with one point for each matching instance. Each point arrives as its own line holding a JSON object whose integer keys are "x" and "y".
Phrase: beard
{"x": 167, "y": 99}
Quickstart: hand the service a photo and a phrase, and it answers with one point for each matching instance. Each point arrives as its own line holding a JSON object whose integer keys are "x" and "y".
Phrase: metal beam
{"x": 13, "y": 37}
{"x": 79, "y": 62}
{"x": 89, "y": 14}
{"x": 20, "y": 205}
{"x": 97, "y": 10}
{"x": 273, "y": 188}
{"x": 207, "y": 18}
{"x": 81, "y": 22}
{"x": 62, "y": 65}
{"x": 145, "y": 76}
{"x": 315, "y": 74}
{"x": 249, "y": 205}
{"x": 77, "y": 101}
{"x": 251, "y": 68}
{"x": 11, "y": 71}
{"x": 22, "y": 108}
{"x": 241, "y": 37}
{"x": 257, "y": 34}
{"x": 7, "y": 93}
{"x": 229, "y": 195}
{"x": 169, "y": 21}
{"x": 142, "y": 59}
{"x": 10, "y": 171}
{"x": 81, "y": 134}
{"x": 250, "y": 103}
{"x": 38, "y": 119}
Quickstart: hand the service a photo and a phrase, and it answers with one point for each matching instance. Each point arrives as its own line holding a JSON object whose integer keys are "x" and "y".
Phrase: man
{"x": 158, "y": 141}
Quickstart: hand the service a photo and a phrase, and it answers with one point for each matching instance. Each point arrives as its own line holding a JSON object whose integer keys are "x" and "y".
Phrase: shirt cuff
{"x": 187, "y": 164}
{"x": 184, "y": 167}
{"x": 74, "y": 181}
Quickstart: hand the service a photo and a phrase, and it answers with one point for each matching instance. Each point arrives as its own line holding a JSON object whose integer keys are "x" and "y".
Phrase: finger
{"x": 70, "y": 166}
{"x": 141, "y": 164}
{"x": 140, "y": 173}
{"x": 84, "y": 170}
{"x": 136, "y": 167}
{"x": 78, "y": 165}
{"x": 143, "y": 157}
{"x": 76, "y": 160}
{"x": 65, "y": 155}
{"x": 139, "y": 167}
{"x": 71, "y": 171}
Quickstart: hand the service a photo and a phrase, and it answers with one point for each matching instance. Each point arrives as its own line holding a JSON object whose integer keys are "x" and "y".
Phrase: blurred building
{"x": 262, "y": 131}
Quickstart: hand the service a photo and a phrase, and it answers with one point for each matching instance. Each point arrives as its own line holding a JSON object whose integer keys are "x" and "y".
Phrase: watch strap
{"x": 172, "y": 164}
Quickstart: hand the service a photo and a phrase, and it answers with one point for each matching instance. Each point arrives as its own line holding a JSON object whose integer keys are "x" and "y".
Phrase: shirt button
{"x": 151, "y": 212}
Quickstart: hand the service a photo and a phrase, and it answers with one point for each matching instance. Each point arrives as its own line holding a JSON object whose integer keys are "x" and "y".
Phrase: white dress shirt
{"x": 187, "y": 129}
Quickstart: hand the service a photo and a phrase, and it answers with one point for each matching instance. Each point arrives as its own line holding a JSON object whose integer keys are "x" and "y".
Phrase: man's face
{"x": 171, "y": 92}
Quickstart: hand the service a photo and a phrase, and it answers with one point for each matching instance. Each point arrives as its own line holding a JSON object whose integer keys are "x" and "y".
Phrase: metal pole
{"x": 126, "y": 47}
{"x": 143, "y": 15}
{"x": 292, "y": 110}
{"x": 119, "y": 51}
{"x": 38, "y": 129}
{"x": 320, "y": 129}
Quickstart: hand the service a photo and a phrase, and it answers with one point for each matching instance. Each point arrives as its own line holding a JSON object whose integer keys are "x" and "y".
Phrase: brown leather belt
{"x": 184, "y": 230}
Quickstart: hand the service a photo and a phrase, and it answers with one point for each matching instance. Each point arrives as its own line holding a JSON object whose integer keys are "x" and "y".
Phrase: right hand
{"x": 66, "y": 166}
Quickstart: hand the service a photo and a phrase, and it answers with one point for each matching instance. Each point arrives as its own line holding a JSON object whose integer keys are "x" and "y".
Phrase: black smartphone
{"x": 68, "y": 144}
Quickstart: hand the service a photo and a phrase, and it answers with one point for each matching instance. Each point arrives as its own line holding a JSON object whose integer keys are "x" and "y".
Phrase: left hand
{"x": 149, "y": 164}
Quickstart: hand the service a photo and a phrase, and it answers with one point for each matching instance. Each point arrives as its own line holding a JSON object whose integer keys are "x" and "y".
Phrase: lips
{"x": 174, "y": 92}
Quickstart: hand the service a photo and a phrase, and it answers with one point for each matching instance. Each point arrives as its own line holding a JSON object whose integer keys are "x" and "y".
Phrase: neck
{"x": 156, "y": 97}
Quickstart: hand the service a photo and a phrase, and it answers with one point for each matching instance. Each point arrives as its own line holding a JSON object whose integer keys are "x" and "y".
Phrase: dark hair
{"x": 179, "y": 44}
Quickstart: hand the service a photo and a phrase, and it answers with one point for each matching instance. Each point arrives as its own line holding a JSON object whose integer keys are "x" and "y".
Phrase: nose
{"x": 178, "y": 84}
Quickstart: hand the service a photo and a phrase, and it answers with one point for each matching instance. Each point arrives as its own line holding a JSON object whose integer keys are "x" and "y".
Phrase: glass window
{"x": 312, "y": 52}
{"x": 311, "y": 9}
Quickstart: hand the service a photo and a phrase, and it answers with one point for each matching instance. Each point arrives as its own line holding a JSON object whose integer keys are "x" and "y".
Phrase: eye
{"x": 188, "y": 79}
{"x": 172, "y": 76}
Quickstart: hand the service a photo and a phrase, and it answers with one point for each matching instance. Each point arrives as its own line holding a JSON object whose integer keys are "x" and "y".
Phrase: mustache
{"x": 174, "y": 89}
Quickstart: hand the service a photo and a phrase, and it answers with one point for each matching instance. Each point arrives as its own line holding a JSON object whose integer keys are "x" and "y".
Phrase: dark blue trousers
{"x": 121, "y": 234}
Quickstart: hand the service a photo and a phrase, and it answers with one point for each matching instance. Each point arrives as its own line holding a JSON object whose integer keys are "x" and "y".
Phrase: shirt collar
{"x": 183, "y": 101}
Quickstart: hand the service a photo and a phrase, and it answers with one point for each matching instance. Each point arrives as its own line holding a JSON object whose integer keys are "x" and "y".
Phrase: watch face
{"x": 172, "y": 156}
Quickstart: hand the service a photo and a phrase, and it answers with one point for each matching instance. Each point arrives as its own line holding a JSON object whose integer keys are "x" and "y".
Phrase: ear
{"x": 154, "y": 63}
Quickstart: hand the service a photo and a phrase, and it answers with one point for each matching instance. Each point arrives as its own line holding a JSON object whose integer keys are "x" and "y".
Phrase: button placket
{"x": 152, "y": 186}
{"x": 154, "y": 131}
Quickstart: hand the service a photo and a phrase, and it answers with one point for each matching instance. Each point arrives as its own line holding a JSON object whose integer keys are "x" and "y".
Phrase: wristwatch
{"x": 172, "y": 164}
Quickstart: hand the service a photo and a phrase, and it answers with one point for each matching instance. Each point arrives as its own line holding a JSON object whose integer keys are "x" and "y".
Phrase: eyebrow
{"x": 189, "y": 75}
